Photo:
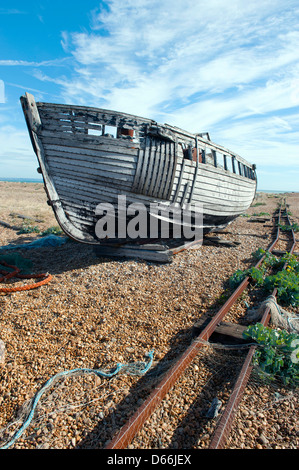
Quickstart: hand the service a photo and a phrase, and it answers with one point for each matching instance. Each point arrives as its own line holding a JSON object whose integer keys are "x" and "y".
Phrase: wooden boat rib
{"x": 83, "y": 164}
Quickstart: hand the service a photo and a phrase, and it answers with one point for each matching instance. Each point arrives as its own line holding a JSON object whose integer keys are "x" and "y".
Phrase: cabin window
{"x": 220, "y": 160}
{"x": 227, "y": 159}
{"x": 109, "y": 131}
{"x": 190, "y": 153}
{"x": 234, "y": 164}
{"x": 214, "y": 155}
{"x": 95, "y": 129}
{"x": 209, "y": 157}
{"x": 124, "y": 132}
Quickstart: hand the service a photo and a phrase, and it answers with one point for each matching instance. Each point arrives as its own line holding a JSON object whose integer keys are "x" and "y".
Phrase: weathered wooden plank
{"x": 103, "y": 186}
{"x": 125, "y": 252}
{"x": 92, "y": 161}
{"x": 138, "y": 170}
{"x": 206, "y": 144}
{"x": 101, "y": 195}
{"x": 166, "y": 176}
{"x": 97, "y": 148}
{"x": 206, "y": 178}
{"x": 66, "y": 123}
{"x": 95, "y": 171}
{"x": 165, "y": 159}
{"x": 216, "y": 171}
{"x": 222, "y": 193}
{"x": 102, "y": 114}
{"x": 174, "y": 168}
{"x": 101, "y": 189}
{"x": 32, "y": 114}
{"x": 204, "y": 197}
{"x": 85, "y": 176}
{"x": 195, "y": 172}
{"x": 281, "y": 252}
{"x": 225, "y": 332}
{"x": 178, "y": 188}
{"x": 90, "y": 180}
{"x": 151, "y": 159}
{"x": 87, "y": 141}
{"x": 146, "y": 155}
{"x": 96, "y": 165}
{"x": 185, "y": 194}
{"x": 28, "y": 104}
{"x": 170, "y": 151}
{"x": 91, "y": 153}
{"x": 155, "y": 157}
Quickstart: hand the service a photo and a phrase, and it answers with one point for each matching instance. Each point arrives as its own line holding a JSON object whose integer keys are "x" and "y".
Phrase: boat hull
{"x": 85, "y": 169}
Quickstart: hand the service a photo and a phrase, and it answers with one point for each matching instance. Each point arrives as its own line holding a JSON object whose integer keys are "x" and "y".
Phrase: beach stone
{"x": 262, "y": 439}
{"x": 134, "y": 307}
{"x": 2, "y": 353}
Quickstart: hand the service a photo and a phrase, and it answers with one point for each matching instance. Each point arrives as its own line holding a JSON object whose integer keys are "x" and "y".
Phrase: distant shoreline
{"x": 22, "y": 180}
{"x": 35, "y": 180}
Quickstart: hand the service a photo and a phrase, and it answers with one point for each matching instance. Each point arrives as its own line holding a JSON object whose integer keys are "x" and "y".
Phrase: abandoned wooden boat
{"x": 89, "y": 156}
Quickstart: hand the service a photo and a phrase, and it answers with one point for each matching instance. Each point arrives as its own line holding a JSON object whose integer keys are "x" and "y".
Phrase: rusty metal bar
{"x": 224, "y": 426}
{"x": 135, "y": 423}
{"x": 130, "y": 429}
{"x": 225, "y": 423}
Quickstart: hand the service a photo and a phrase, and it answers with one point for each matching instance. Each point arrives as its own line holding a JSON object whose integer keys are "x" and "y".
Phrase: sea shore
{"x": 97, "y": 312}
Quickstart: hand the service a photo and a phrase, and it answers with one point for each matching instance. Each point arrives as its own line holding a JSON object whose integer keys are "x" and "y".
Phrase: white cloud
{"x": 13, "y": 138}
{"x": 230, "y": 68}
{"x": 26, "y": 63}
{"x": 152, "y": 55}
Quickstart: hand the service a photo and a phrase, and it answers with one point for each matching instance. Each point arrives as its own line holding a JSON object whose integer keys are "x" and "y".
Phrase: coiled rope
{"x": 139, "y": 368}
{"x": 16, "y": 273}
{"x": 279, "y": 316}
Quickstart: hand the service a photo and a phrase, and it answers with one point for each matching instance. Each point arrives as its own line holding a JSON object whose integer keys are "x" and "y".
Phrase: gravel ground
{"x": 97, "y": 312}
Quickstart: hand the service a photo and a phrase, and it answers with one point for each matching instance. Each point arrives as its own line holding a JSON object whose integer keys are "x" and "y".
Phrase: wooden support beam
{"x": 160, "y": 252}
{"x": 281, "y": 252}
{"x": 225, "y": 332}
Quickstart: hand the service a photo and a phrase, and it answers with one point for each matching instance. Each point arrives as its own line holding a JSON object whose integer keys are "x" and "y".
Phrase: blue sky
{"x": 230, "y": 68}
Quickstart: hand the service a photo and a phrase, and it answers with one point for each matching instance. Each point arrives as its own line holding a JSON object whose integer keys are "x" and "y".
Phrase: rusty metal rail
{"x": 126, "y": 434}
{"x": 224, "y": 426}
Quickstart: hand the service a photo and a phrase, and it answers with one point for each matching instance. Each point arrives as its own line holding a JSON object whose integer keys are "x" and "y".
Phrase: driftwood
{"x": 25, "y": 217}
{"x": 281, "y": 252}
{"x": 6, "y": 225}
{"x": 219, "y": 241}
{"x": 162, "y": 252}
{"x": 260, "y": 220}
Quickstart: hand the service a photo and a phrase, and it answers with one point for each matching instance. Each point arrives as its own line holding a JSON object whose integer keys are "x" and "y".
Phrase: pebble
{"x": 97, "y": 312}
{"x": 262, "y": 439}
{"x": 2, "y": 353}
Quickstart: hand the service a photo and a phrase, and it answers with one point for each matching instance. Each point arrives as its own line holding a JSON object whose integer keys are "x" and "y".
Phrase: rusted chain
{"x": 16, "y": 273}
